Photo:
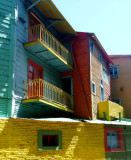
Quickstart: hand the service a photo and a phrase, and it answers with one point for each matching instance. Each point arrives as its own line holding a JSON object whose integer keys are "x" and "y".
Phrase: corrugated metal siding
{"x": 7, "y": 25}
{"x": 96, "y": 76}
{"x": 21, "y": 62}
{"x": 106, "y": 90}
{"x": 3, "y": 107}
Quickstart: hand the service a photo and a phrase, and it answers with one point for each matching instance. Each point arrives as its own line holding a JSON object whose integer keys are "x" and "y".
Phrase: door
{"x": 67, "y": 87}
{"x": 34, "y": 30}
{"x": 35, "y": 80}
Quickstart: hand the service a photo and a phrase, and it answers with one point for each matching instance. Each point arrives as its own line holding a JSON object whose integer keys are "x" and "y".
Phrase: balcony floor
{"x": 42, "y": 51}
{"x": 39, "y": 108}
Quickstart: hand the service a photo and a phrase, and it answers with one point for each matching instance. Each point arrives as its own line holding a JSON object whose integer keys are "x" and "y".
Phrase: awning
{"x": 49, "y": 10}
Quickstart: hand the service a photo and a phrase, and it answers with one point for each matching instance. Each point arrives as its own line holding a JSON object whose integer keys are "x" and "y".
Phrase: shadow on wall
{"x": 19, "y": 139}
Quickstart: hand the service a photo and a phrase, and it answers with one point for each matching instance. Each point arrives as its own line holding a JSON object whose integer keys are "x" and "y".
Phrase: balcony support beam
{"x": 34, "y": 4}
{"x": 55, "y": 21}
{"x": 51, "y": 24}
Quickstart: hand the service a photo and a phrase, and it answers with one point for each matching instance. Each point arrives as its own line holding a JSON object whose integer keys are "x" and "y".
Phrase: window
{"x": 114, "y": 71}
{"x": 100, "y": 57}
{"x": 91, "y": 46}
{"x": 113, "y": 139}
{"x": 102, "y": 89}
{"x": 117, "y": 100}
{"x": 93, "y": 88}
{"x": 49, "y": 140}
{"x": 105, "y": 75}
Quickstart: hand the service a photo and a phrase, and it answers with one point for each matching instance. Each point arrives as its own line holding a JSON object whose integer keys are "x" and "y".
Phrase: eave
{"x": 53, "y": 15}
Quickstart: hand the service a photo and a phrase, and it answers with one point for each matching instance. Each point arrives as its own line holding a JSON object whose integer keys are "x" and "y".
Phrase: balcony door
{"x": 34, "y": 30}
{"x": 35, "y": 80}
{"x": 68, "y": 88}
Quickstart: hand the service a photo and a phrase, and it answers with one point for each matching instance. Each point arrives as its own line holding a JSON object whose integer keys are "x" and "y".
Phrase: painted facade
{"x": 21, "y": 142}
{"x": 124, "y": 151}
{"x": 7, "y": 44}
{"x": 79, "y": 139}
{"x": 49, "y": 70}
{"x": 52, "y": 74}
{"x": 120, "y": 84}
{"x": 27, "y": 35}
{"x": 88, "y": 69}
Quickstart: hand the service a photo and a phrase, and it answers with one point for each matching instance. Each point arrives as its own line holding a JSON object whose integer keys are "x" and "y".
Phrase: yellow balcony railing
{"x": 38, "y": 88}
{"x": 40, "y": 33}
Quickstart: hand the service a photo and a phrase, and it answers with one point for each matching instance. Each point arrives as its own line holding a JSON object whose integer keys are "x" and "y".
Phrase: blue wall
{"x": 7, "y": 31}
{"x": 21, "y": 61}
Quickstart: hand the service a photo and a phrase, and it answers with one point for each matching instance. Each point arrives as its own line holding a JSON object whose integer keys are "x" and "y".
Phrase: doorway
{"x": 35, "y": 80}
{"x": 67, "y": 85}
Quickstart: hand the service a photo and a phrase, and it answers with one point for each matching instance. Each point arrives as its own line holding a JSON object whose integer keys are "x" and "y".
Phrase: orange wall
{"x": 123, "y": 81}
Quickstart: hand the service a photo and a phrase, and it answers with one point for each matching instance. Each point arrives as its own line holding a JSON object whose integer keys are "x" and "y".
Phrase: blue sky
{"x": 110, "y": 20}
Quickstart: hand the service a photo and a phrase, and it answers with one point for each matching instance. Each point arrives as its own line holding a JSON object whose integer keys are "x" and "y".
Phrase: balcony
{"x": 42, "y": 44}
{"x": 110, "y": 111}
{"x": 45, "y": 94}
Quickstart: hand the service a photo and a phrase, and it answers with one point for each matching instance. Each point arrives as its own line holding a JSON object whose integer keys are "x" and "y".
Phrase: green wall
{"x": 7, "y": 30}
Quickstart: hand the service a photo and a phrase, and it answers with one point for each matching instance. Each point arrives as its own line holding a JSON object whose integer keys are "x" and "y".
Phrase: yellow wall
{"x": 124, "y": 81}
{"x": 81, "y": 141}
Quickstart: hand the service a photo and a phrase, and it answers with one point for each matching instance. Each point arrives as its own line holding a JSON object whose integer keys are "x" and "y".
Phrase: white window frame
{"x": 93, "y": 91}
{"x": 102, "y": 87}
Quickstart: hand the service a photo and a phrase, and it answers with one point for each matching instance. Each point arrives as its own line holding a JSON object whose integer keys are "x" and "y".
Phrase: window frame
{"x": 102, "y": 87}
{"x": 105, "y": 75}
{"x": 45, "y": 132}
{"x": 113, "y": 68}
{"x": 91, "y": 46}
{"x": 120, "y": 139}
{"x": 100, "y": 58}
{"x": 93, "y": 83}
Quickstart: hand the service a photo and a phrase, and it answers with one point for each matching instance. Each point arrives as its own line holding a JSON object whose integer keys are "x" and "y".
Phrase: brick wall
{"x": 19, "y": 140}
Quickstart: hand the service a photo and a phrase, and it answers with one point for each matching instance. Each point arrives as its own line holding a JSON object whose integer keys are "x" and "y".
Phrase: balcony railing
{"x": 40, "y": 33}
{"x": 109, "y": 110}
{"x": 39, "y": 88}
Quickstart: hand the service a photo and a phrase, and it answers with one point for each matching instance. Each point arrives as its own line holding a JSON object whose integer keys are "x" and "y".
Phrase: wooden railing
{"x": 38, "y": 88}
{"x": 40, "y": 33}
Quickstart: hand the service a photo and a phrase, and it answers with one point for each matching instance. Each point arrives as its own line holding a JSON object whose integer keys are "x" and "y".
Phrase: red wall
{"x": 81, "y": 76}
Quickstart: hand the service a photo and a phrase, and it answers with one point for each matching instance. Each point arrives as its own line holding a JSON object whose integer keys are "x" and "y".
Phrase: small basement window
{"x": 113, "y": 139}
{"x": 49, "y": 140}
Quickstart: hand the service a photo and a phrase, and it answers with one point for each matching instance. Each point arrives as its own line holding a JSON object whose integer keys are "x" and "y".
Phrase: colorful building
{"x": 91, "y": 79}
{"x": 24, "y": 135}
{"x": 32, "y": 60}
{"x": 76, "y": 139}
{"x": 120, "y": 82}
{"x": 48, "y": 70}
